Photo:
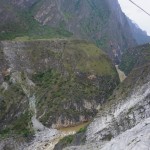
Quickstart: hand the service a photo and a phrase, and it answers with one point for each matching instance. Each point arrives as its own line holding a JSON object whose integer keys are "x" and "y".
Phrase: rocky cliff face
{"x": 101, "y": 22}
{"x": 59, "y": 82}
{"x": 47, "y": 84}
{"x": 17, "y": 20}
{"x": 123, "y": 123}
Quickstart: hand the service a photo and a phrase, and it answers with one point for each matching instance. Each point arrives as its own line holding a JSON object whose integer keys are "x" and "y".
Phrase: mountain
{"x": 140, "y": 36}
{"x": 123, "y": 122}
{"x": 54, "y": 82}
{"x": 17, "y": 20}
{"x": 51, "y": 83}
{"x": 135, "y": 57}
{"x": 93, "y": 20}
{"x": 101, "y": 22}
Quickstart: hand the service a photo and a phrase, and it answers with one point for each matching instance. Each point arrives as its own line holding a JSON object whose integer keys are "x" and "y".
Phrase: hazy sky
{"x": 137, "y": 15}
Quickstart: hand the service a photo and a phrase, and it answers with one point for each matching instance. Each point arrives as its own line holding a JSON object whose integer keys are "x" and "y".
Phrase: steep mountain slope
{"x": 123, "y": 122}
{"x": 58, "y": 82}
{"x": 135, "y": 57}
{"x": 140, "y": 36}
{"x": 17, "y": 21}
{"x": 46, "y": 85}
{"x": 99, "y": 21}
{"x": 96, "y": 20}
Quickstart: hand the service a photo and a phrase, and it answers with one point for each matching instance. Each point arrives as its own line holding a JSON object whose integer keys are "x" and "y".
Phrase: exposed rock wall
{"x": 125, "y": 118}
{"x": 100, "y": 21}
{"x": 137, "y": 138}
{"x": 69, "y": 80}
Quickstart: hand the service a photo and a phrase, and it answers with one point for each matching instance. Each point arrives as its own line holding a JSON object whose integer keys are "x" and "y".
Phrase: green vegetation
{"x": 64, "y": 142}
{"x": 77, "y": 4}
{"x": 102, "y": 11}
{"x": 82, "y": 130}
{"x": 102, "y": 42}
{"x": 36, "y": 31}
{"x": 79, "y": 66}
{"x": 70, "y": 81}
{"x": 127, "y": 63}
{"x": 20, "y": 126}
{"x": 24, "y": 26}
{"x": 90, "y": 58}
{"x": 97, "y": 21}
{"x": 135, "y": 57}
{"x": 67, "y": 16}
{"x": 11, "y": 103}
{"x": 55, "y": 91}
{"x": 7, "y": 78}
{"x": 47, "y": 78}
{"x": 67, "y": 139}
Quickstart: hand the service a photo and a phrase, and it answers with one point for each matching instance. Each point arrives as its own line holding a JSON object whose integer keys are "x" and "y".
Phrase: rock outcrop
{"x": 57, "y": 82}
{"x": 123, "y": 123}
{"x": 101, "y": 22}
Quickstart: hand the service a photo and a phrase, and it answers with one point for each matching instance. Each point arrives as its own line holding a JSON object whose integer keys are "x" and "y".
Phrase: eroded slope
{"x": 58, "y": 82}
{"x": 123, "y": 120}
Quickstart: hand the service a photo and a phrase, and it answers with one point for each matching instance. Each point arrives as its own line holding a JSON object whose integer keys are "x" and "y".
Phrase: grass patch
{"x": 67, "y": 139}
{"x": 82, "y": 130}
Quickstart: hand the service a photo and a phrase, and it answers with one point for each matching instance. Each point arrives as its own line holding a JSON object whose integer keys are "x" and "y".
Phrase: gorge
{"x": 72, "y": 76}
